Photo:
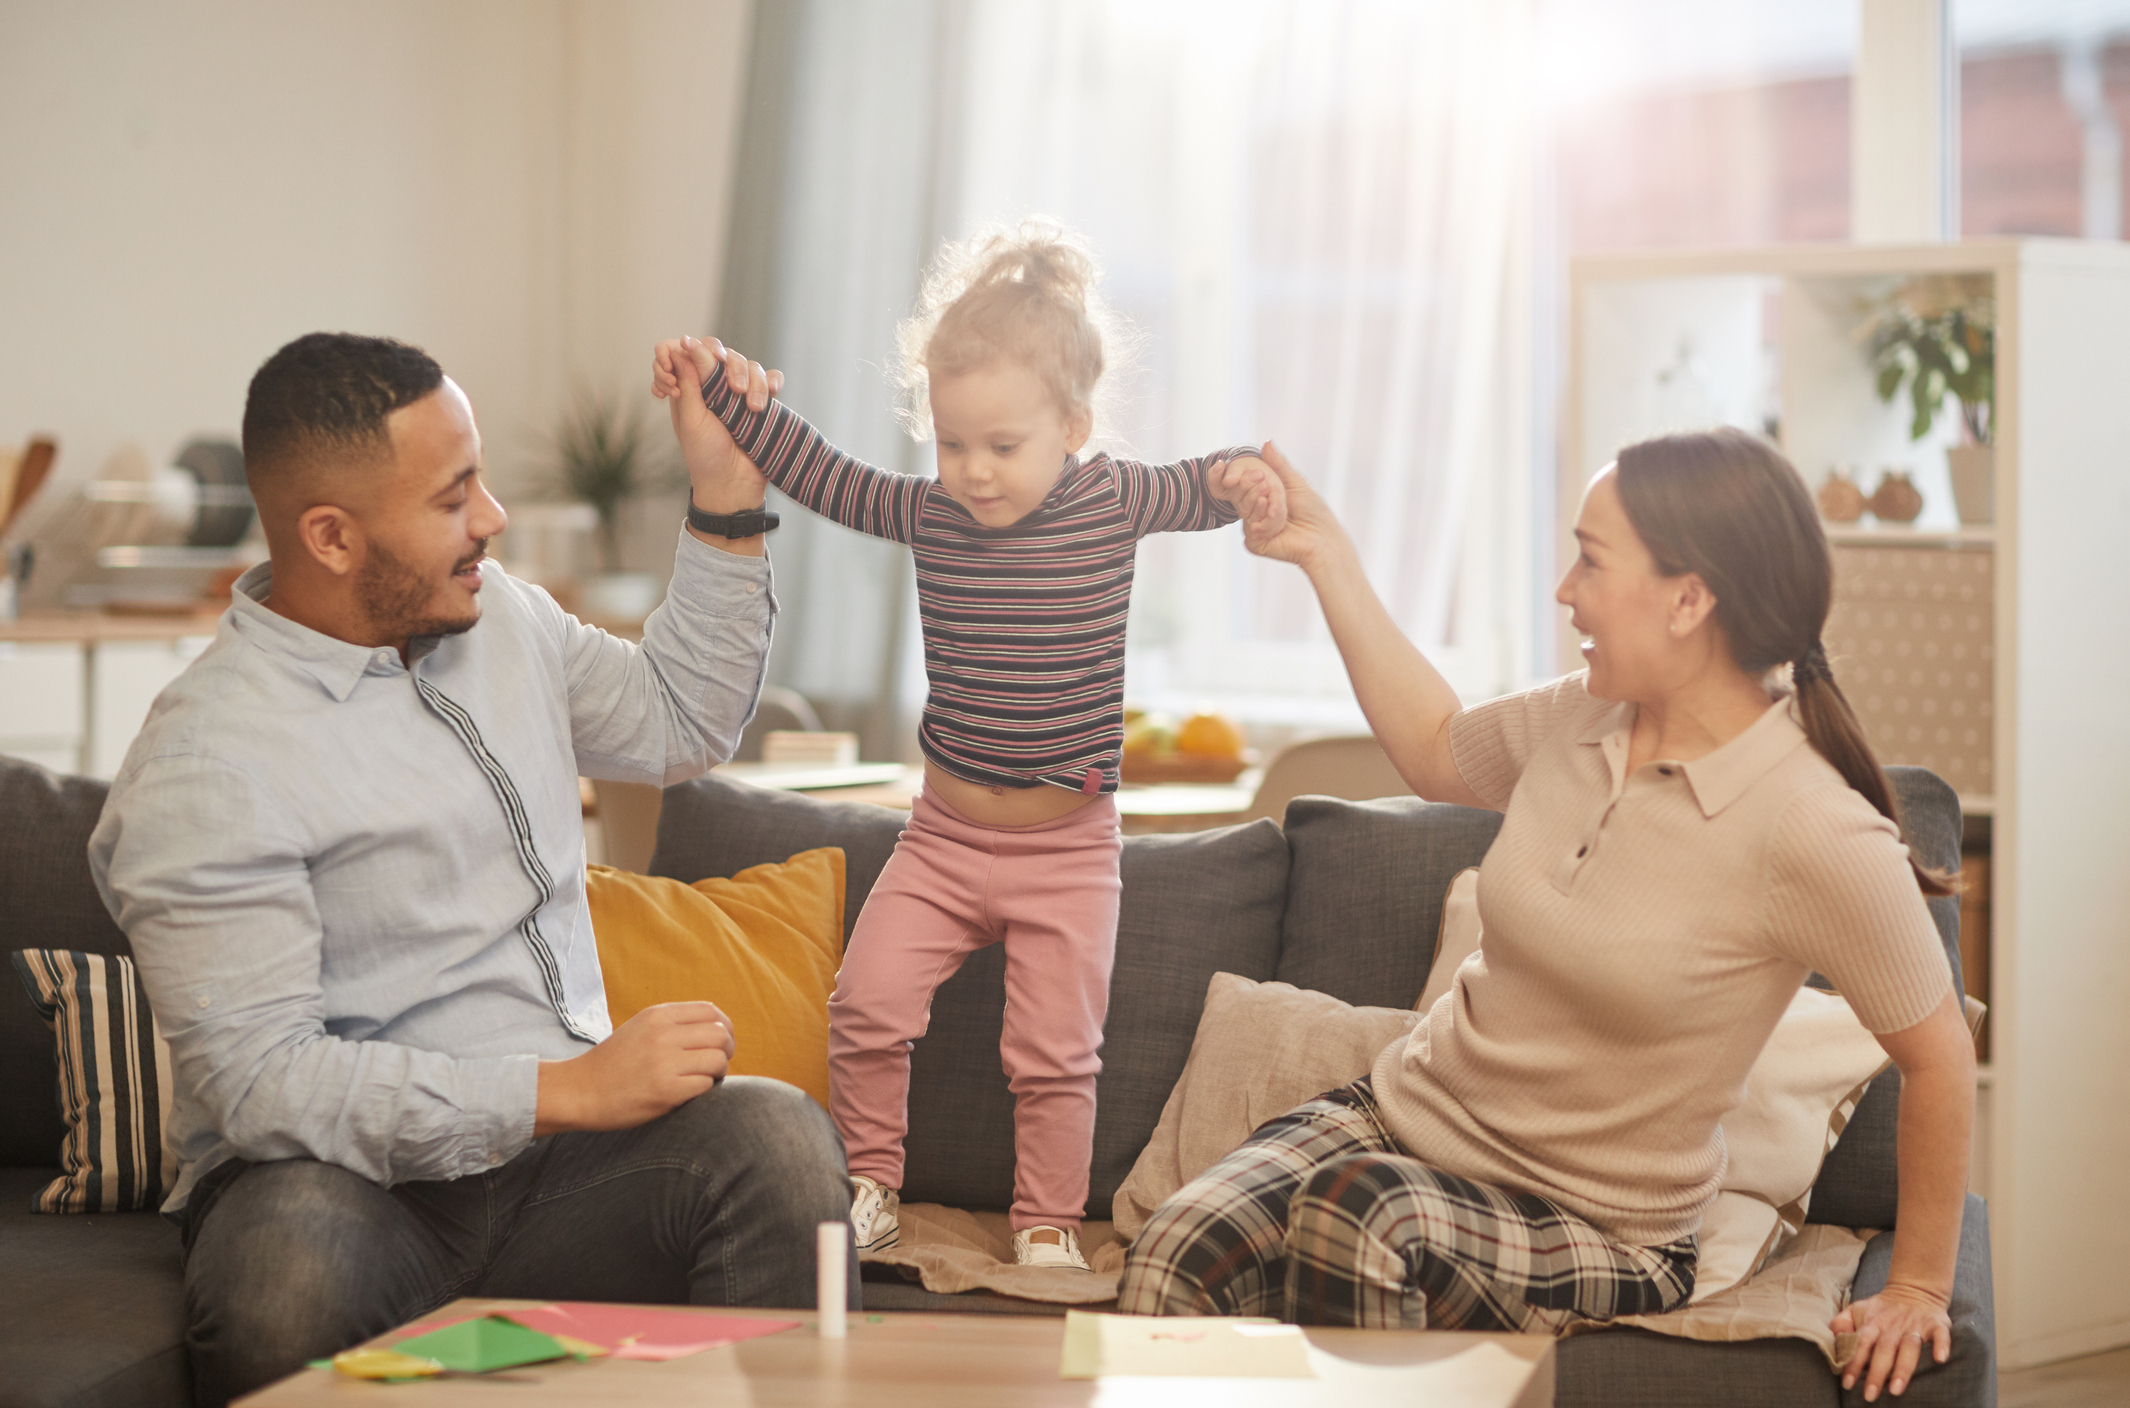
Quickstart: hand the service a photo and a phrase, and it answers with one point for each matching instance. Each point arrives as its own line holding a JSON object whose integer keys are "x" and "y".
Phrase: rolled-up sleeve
{"x": 228, "y": 943}
{"x": 666, "y": 710}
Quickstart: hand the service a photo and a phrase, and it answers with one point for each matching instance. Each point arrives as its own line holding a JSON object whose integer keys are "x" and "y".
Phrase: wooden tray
{"x": 1181, "y": 767}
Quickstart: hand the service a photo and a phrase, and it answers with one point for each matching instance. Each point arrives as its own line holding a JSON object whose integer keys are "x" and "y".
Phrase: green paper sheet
{"x": 480, "y": 1346}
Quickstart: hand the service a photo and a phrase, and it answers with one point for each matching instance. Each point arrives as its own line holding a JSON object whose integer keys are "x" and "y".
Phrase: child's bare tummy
{"x": 1002, "y": 806}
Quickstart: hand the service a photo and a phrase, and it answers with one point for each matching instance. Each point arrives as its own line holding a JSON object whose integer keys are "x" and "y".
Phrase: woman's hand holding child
{"x": 1257, "y": 493}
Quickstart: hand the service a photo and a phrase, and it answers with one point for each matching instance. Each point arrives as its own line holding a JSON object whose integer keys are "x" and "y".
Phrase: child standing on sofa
{"x": 1024, "y": 555}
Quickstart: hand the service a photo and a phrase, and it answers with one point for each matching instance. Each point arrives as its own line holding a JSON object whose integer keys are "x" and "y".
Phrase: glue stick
{"x": 832, "y": 1242}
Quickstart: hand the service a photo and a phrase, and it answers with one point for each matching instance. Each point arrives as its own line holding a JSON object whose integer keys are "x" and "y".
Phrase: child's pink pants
{"x": 952, "y": 886}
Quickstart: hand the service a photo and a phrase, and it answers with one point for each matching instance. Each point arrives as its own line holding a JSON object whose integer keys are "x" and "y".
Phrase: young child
{"x": 1024, "y": 555}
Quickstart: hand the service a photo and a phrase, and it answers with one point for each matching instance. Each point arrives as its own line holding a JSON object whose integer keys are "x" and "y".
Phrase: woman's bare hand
{"x": 1310, "y": 529}
{"x": 1891, "y": 1330}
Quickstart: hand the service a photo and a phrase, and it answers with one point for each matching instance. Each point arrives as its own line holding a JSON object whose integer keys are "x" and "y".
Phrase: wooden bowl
{"x": 1179, "y": 766}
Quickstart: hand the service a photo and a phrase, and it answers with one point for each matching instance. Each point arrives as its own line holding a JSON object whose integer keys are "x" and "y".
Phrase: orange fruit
{"x": 1211, "y": 736}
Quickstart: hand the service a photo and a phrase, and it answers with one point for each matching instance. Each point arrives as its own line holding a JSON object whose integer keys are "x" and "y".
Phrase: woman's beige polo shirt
{"x": 1641, "y": 937}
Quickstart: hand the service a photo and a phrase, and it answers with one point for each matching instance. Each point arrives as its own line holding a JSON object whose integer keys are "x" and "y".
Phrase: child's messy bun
{"x": 1027, "y": 293}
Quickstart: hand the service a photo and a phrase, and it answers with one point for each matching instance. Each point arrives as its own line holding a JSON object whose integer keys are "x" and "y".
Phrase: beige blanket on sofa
{"x": 952, "y": 1251}
{"x": 1793, "y": 1296}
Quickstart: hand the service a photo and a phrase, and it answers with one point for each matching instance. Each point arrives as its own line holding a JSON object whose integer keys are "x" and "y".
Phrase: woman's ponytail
{"x": 1838, "y": 736}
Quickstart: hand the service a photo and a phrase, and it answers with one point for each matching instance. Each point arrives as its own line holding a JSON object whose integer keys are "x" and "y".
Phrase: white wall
{"x": 533, "y": 190}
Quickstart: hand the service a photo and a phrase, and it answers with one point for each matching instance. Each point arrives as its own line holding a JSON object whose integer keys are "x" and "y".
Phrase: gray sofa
{"x": 1346, "y": 900}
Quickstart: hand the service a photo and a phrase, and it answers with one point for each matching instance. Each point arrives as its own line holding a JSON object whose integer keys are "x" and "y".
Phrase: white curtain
{"x": 844, "y": 146}
{"x": 1316, "y": 212}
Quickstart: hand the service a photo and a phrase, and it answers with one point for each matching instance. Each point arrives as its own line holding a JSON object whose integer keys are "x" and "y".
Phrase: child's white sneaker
{"x": 875, "y": 1225}
{"x": 1048, "y": 1246}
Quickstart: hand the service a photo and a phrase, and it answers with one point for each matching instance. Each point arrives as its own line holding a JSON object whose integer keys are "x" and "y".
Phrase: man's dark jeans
{"x": 713, "y": 1204}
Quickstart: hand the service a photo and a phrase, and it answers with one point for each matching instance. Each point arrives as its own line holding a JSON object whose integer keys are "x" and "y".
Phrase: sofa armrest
{"x": 1969, "y": 1378}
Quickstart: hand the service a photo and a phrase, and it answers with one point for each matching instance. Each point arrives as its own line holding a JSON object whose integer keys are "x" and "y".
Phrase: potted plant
{"x": 602, "y": 459}
{"x": 1937, "y": 335}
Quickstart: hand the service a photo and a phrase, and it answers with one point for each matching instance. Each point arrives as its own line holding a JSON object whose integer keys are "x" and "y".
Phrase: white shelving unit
{"x": 1766, "y": 339}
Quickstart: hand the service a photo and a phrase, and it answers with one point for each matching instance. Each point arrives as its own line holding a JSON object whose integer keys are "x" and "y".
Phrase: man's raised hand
{"x": 723, "y": 479}
{"x": 659, "y": 1059}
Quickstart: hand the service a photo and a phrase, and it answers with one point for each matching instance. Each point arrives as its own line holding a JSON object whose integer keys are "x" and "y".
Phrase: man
{"x": 348, "y": 853}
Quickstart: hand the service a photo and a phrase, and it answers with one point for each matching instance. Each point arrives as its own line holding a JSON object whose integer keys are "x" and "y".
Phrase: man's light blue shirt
{"x": 355, "y": 888}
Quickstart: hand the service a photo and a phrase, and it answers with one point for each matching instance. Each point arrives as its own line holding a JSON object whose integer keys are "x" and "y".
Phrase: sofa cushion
{"x": 1858, "y": 1185}
{"x": 1194, "y": 904}
{"x": 94, "y": 1306}
{"x": 47, "y": 900}
{"x": 1607, "y": 1368}
{"x": 1365, "y": 900}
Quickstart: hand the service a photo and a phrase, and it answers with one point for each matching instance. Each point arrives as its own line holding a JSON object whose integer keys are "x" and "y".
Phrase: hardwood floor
{"x": 2097, "y": 1381}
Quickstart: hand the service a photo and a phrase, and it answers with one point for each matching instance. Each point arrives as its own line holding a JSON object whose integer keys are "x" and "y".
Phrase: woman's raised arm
{"x": 1408, "y": 703}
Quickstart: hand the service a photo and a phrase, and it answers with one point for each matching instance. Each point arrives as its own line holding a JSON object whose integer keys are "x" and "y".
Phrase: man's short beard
{"x": 396, "y": 598}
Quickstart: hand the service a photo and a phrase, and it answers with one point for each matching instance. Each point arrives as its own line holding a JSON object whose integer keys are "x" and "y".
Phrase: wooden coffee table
{"x": 917, "y": 1361}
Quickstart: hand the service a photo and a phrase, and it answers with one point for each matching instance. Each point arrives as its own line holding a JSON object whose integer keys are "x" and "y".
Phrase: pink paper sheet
{"x": 634, "y": 1332}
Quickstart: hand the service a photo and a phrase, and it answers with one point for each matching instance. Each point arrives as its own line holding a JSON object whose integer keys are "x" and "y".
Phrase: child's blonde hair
{"x": 1027, "y": 293}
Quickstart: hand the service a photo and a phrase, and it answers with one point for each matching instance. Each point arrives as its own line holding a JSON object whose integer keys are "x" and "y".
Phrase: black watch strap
{"x": 745, "y": 524}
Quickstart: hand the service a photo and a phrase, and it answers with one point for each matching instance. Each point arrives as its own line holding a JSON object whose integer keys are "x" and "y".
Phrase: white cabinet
{"x": 43, "y": 702}
{"x": 124, "y": 678}
{"x": 75, "y": 687}
{"x": 1994, "y": 654}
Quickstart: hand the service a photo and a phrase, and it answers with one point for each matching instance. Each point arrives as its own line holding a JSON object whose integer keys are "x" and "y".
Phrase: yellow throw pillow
{"x": 763, "y": 945}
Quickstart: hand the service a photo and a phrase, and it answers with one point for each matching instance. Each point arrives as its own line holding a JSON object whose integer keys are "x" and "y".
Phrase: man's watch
{"x": 744, "y": 524}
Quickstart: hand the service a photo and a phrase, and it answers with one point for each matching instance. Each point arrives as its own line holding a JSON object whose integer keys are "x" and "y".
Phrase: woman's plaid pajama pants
{"x": 1320, "y": 1219}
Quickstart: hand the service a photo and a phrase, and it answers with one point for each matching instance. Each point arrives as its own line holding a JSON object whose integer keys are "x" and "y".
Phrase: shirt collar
{"x": 1722, "y": 777}
{"x": 336, "y": 664}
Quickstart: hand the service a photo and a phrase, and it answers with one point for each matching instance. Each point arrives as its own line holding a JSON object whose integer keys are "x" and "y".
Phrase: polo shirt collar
{"x": 337, "y": 665}
{"x": 1722, "y": 777}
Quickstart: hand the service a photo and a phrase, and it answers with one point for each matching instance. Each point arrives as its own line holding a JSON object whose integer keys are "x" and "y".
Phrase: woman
{"x": 1683, "y": 839}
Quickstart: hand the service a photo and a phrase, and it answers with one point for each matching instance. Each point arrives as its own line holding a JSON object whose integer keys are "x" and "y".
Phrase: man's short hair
{"x": 326, "y": 395}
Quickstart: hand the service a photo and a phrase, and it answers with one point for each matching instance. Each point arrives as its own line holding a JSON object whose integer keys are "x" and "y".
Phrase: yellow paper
{"x": 384, "y": 1364}
{"x": 1195, "y": 1346}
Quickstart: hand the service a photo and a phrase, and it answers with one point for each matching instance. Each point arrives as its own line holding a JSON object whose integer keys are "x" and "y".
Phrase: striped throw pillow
{"x": 114, "y": 1082}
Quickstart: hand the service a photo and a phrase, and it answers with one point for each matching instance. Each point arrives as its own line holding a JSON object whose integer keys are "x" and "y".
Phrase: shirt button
{"x": 201, "y": 1004}
{"x": 750, "y": 589}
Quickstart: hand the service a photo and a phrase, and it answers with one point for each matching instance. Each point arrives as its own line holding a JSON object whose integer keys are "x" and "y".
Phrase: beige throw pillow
{"x": 1457, "y": 939}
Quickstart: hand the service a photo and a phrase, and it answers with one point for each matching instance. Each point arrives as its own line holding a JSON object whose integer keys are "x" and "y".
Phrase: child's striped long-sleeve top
{"x": 1023, "y": 625}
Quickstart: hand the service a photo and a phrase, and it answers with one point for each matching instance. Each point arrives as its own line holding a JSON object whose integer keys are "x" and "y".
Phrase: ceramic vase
{"x": 1974, "y": 482}
{"x": 1896, "y": 500}
{"x": 1840, "y": 501}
